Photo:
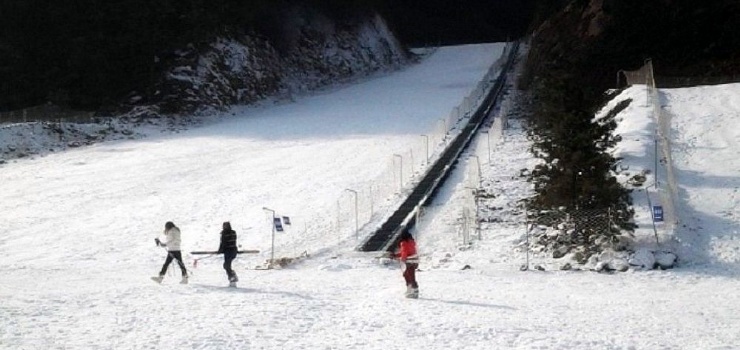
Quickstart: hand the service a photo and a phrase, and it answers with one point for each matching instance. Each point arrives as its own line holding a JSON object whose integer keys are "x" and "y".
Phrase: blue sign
{"x": 278, "y": 224}
{"x": 657, "y": 213}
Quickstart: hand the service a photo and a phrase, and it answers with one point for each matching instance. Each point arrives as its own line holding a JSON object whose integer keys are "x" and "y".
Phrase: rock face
{"x": 21, "y": 140}
{"x": 313, "y": 52}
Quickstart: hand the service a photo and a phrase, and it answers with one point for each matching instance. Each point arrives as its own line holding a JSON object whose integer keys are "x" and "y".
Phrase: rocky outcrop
{"x": 313, "y": 52}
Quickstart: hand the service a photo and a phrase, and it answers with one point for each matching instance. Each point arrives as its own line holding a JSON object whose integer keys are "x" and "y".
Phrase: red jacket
{"x": 408, "y": 251}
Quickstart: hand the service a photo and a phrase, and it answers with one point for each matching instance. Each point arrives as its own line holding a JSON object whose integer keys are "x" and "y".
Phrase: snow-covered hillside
{"x": 239, "y": 69}
{"x": 705, "y": 141}
{"x": 77, "y": 229}
{"x": 242, "y": 69}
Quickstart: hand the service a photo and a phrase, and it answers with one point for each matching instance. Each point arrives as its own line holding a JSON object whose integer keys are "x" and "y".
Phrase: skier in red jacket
{"x": 410, "y": 262}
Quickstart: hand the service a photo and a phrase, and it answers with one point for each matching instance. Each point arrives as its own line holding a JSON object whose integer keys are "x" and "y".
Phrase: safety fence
{"x": 645, "y": 74}
{"x": 486, "y": 128}
{"x": 678, "y": 82}
{"x": 665, "y": 180}
{"x": 560, "y": 230}
{"x": 469, "y": 224}
{"x": 47, "y": 113}
{"x": 358, "y": 207}
{"x": 581, "y": 224}
{"x": 469, "y": 227}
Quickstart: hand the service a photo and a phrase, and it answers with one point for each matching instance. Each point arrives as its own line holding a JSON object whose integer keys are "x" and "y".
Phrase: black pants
{"x": 175, "y": 254}
{"x": 229, "y": 256}
{"x": 409, "y": 274}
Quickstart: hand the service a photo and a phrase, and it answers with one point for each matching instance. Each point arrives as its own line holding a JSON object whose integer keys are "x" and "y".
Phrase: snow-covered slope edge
{"x": 704, "y": 143}
{"x": 242, "y": 69}
{"x": 705, "y": 147}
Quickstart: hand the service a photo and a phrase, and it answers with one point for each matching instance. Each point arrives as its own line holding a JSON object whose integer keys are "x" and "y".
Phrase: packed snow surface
{"x": 77, "y": 233}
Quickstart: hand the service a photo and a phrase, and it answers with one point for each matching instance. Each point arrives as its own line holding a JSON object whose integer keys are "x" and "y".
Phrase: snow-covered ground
{"x": 77, "y": 229}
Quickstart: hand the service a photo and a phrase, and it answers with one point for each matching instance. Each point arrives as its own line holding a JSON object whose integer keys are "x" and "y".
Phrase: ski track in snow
{"x": 77, "y": 229}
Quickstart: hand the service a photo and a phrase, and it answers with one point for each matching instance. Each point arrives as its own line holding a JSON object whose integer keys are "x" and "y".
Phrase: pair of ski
{"x": 205, "y": 252}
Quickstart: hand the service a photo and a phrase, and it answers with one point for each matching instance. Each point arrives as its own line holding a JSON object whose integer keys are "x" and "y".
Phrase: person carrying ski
{"x": 229, "y": 249}
{"x": 410, "y": 261}
{"x": 172, "y": 243}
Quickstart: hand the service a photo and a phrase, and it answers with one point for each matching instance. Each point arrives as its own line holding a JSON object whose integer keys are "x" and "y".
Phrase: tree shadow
{"x": 227, "y": 289}
{"x": 458, "y": 302}
{"x": 697, "y": 232}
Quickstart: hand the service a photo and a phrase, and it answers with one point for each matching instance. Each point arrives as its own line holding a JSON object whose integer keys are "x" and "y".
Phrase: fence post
{"x": 652, "y": 217}
{"x": 655, "y": 150}
{"x": 526, "y": 232}
{"x": 372, "y": 202}
{"x": 608, "y": 221}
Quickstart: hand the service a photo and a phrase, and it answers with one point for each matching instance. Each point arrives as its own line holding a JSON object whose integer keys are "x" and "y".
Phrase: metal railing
{"x": 465, "y": 120}
{"x": 47, "y": 113}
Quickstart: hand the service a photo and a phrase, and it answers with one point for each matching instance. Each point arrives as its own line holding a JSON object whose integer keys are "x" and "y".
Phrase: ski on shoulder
{"x": 204, "y": 252}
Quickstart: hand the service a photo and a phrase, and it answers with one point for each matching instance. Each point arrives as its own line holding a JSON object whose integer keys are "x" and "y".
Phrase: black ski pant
{"x": 409, "y": 274}
{"x": 229, "y": 256}
{"x": 174, "y": 254}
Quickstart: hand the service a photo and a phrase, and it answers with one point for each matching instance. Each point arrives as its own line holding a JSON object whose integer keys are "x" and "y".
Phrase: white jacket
{"x": 172, "y": 239}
